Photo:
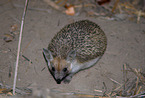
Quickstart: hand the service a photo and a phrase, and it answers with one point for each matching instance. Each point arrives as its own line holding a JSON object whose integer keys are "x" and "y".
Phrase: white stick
{"x": 19, "y": 46}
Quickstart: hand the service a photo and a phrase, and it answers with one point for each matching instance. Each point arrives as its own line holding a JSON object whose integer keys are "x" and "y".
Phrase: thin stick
{"x": 105, "y": 89}
{"x": 115, "y": 5}
{"x": 124, "y": 79}
{"x": 19, "y": 46}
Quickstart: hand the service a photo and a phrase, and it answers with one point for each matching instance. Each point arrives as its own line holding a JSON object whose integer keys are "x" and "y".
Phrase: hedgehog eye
{"x": 53, "y": 69}
{"x": 65, "y": 69}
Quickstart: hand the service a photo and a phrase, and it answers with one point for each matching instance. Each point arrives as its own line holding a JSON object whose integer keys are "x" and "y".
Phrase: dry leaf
{"x": 14, "y": 27}
{"x": 10, "y": 94}
{"x": 2, "y": 89}
{"x": 8, "y": 37}
{"x": 70, "y": 10}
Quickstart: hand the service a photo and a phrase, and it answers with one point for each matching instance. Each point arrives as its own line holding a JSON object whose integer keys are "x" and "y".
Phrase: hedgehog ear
{"x": 47, "y": 55}
{"x": 71, "y": 55}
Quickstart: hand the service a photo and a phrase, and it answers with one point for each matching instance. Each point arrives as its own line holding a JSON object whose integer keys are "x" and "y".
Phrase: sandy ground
{"x": 126, "y": 44}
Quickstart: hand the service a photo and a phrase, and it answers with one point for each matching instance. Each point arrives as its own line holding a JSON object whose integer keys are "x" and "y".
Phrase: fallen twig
{"x": 104, "y": 94}
{"x": 124, "y": 79}
{"x": 140, "y": 94}
{"x": 138, "y": 74}
{"x": 136, "y": 85}
{"x": 129, "y": 8}
{"x": 115, "y": 5}
{"x": 114, "y": 81}
{"x": 130, "y": 85}
{"x": 27, "y": 59}
{"x": 43, "y": 69}
{"x": 26, "y": 46}
{"x": 19, "y": 46}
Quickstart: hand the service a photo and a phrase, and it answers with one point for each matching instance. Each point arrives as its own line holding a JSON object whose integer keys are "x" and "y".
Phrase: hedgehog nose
{"x": 58, "y": 81}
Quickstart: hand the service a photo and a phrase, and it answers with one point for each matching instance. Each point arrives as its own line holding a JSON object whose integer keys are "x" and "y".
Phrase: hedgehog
{"x": 75, "y": 47}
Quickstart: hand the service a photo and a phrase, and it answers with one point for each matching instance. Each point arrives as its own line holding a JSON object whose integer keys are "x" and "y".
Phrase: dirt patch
{"x": 126, "y": 44}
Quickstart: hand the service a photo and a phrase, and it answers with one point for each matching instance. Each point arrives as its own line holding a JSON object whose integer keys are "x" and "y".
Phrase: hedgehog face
{"x": 59, "y": 68}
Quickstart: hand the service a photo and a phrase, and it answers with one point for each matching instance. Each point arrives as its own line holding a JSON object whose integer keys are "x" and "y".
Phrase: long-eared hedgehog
{"x": 75, "y": 47}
